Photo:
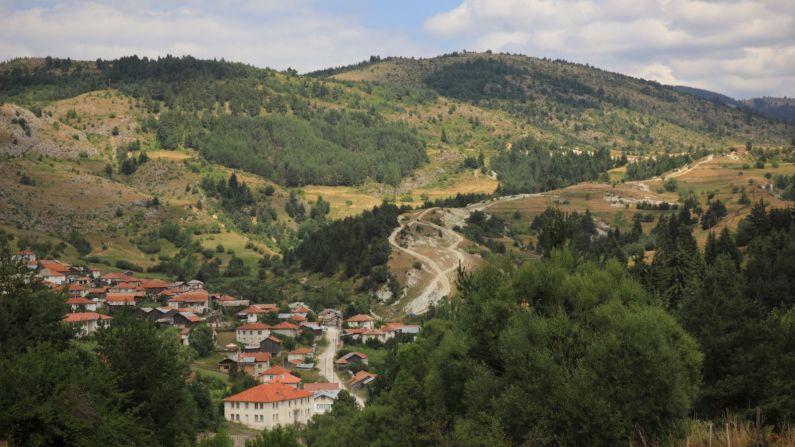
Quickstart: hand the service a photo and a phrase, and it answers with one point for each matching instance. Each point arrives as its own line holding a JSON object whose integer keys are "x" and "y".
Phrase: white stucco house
{"x": 269, "y": 405}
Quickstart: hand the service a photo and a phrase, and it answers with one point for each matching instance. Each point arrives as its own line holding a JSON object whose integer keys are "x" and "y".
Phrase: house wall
{"x": 322, "y": 404}
{"x": 286, "y": 332}
{"x": 251, "y": 336}
{"x": 269, "y": 415}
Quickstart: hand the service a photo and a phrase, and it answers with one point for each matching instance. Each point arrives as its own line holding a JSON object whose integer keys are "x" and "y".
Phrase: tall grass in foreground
{"x": 729, "y": 432}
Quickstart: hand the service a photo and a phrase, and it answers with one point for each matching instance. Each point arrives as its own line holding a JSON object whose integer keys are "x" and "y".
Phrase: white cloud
{"x": 740, "y": 47}
{"x": 265, "y": 33}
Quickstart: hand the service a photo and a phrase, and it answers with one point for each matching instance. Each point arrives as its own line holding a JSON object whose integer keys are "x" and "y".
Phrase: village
{"x": 300, "y": 358}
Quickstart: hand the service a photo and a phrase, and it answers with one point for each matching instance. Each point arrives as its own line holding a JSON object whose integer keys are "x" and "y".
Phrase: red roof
{"x": 154, "y": 284}
{"x": 253, "y": 326}
{"x": 260, "y": 309}
{"x": 121, "y": 297}
{"x": 258, "y": 356}
{"x": 226, "y": 298}
{"x": 269, "y": 392}
{"x": 77, "y": 317}
{"x": 285, "y": 325}
{"x": 354, "y": 331}
{"x": 302, "y": 351}
{"x": 193, "y": 318}
{"x": 321, "y": 386}
{"x": 361, "y": 376}
{"x": 301, "y": 310}
{"x": 54, "y": 266}
{"x": 361, "y": 318}
{"x": 276, "y": 371}
{"x": 197, "y": 296}
{"x": 286, "y": 378}
{"x": 297, "y": 318}
{"x": 79, "y": 301}
{"x": 75, "y": 287}
{"x": 125, "y": 285}
{"x": 273, "y": 339}
{"x": 373, "y": 332}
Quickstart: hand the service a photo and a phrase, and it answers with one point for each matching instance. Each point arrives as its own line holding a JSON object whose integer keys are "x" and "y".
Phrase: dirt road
{"x": 441, "y": 285}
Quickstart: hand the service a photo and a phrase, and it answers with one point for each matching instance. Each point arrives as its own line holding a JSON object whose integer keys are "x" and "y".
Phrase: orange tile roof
{"x": 79, "y": 301}
{"x": 269, "y": 392}
{"x": 302, "y": 351}
{"x": 76, "y": 287}
{"x": 361, "y": 376}
{"x": 197, "y": 296}
{"x": 253, "y": 326}
{"x": 258, "y": 356}
{"x": 77, "y": 317}
{"x": 285, "y": 325}
{"x": 54, "y": 266}
{"x": 121, "y": 297}
{"x": 321, "y": 386}
{"x": 360, "y": 318}
{"x": 193, "y": 318}
{"x": 275, "y": 371}
{"x": 286, "y": 378}
{"x": 301, "y": 310}
{"x": 154, "y": 284}
{"x": 355, "y": 331}
{"x": 297, "y": 318}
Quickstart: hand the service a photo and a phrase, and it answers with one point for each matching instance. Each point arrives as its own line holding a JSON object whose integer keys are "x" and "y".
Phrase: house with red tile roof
{"x": 286, "y": 329}
{"x": 116, "y": 278}
{"x": 252, "y": 333}
{"x": 252, "y": 363}
{"x": 152, "y": 287}
{"x": 300, "y": 354}
{"x": 86, "y": 323}
{"x": 287, "y": 379}
{"x": 229, "y": 301}
{"x": 344, "y": 361}
{"x": 361, "y": 379}
{"x": 361, "y": 321}
{"x": 269, "y": 405}
{"x": 254, "y": 312}
{"x": 197, "y": 301}
{"x": 121, "y": 299}
{"x": 186, "y": 319}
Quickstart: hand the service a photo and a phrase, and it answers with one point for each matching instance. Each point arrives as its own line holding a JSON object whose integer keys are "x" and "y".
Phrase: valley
{"x": 446, "y": 247}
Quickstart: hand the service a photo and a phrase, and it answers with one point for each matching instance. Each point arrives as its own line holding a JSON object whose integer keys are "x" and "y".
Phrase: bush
{"x": 127, "y": 265}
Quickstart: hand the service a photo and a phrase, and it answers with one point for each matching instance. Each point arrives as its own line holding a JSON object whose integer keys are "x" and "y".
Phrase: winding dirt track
{"x": 442, "y": 284}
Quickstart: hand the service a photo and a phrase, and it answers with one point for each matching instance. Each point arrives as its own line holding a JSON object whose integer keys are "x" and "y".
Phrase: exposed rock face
{"x": 23, "y": 133}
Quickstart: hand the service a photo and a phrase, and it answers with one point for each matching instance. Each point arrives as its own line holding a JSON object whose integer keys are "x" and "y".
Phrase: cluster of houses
{"x": 282, "y": 397}
{"x": 361, "y": 328}
{"x": 89, "y": 291}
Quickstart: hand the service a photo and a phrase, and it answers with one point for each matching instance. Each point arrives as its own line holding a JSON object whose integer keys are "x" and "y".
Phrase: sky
{"x": 742, "y": 48}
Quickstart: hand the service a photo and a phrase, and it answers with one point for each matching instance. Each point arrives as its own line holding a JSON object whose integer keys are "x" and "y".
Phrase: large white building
{"x": 252, "y": 333}
{"x": 269, "y": 405}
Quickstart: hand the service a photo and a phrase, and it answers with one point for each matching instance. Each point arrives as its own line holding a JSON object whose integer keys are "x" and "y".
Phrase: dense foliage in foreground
{"x": 132, "y": 387}
{"x": 520, "y": 341}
